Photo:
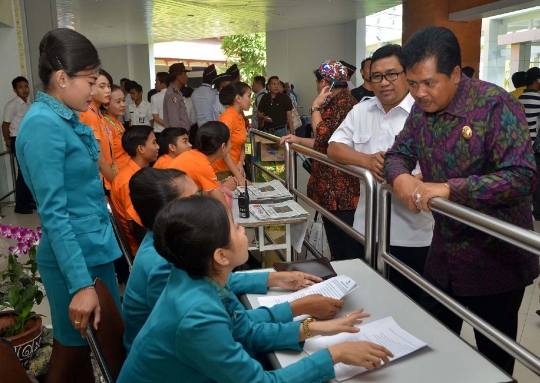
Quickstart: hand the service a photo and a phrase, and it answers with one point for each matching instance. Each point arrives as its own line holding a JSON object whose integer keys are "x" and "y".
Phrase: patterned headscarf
{"x": 333, "y": 71}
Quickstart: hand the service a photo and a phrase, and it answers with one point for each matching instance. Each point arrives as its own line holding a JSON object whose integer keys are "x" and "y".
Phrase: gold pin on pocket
{"x": 467, "y": 132}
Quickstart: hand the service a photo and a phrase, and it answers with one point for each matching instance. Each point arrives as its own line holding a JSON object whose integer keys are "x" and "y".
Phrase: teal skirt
{"x": 60, "y": 299}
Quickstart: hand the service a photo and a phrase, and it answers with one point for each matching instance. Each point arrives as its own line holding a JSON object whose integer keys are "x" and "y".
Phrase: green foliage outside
{"x": 248, "y": 52}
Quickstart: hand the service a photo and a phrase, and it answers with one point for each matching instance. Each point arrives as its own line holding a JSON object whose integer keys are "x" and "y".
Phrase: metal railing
{"x": 13, "y": 177}
{"x": 291, "y": 154}
{"x": 515, "y": 235}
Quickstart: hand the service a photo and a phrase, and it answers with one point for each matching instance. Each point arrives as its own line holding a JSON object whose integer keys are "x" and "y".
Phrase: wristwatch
{"x": 305, "y": 327}
{"x": 314, "y": 109}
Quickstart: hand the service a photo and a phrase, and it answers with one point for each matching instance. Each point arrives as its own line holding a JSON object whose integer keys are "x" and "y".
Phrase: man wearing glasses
{"x": 362, "y": 139}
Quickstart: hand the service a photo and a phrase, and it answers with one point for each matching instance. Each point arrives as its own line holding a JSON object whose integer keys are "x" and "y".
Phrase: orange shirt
{"x": 101, "y": 131}
{"x": 163, "y": 162}
{"x": 237, "y": 126}
{"x": 122, "y": 201}
{"x": 121, "y": 158}
{"x": 197, "y": 167}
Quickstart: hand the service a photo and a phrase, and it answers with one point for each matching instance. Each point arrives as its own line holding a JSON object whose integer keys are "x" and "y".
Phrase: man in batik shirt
{"x": 472, "y": 142}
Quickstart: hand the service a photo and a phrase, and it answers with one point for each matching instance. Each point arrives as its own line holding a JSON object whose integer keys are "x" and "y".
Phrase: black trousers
{"x": 342, "y": 245}
{"x": 499, "y": 310}
{"x": 23, "y": 197}
{"x": 536, "y": 193}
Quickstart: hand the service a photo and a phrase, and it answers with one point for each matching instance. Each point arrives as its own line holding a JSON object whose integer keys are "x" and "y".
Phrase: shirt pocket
{"x": 361, "y": 137}
{"x": 87, "y": 224}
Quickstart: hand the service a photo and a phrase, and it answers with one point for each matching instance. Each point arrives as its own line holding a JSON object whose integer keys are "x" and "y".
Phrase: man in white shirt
{"x": 259, "y": 88}
{"x": 139, "y": 110}
{"x": 363, "y": 138}
{"x": 14, "y": 112}
{"x": 220, "y": 82}
{"x": 156, "y": 102}
{"x": 204, "y": 96}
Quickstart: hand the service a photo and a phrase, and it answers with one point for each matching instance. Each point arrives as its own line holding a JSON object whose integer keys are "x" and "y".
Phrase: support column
{"x": 418, "y": 14}
{"x": 493, "y": 63}
{"x": 360, "y": 43}
{"x": 520, "y": 57}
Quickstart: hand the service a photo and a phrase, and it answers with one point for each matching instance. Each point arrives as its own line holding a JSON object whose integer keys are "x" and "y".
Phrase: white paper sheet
{"x": 336, "y": 288}
{"x": 385, "y": 332}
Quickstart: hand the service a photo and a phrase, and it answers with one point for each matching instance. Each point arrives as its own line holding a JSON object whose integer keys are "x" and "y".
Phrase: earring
{"x": 63, "y": 86}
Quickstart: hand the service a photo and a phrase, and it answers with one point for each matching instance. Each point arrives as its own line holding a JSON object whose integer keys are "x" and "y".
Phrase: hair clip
{"x": 59, "y": 63}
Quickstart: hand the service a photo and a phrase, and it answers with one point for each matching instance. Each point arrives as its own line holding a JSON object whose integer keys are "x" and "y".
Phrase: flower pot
{"x": 26, "y": 343}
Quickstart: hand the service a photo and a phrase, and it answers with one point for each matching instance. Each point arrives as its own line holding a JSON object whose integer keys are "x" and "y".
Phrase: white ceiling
{"x": 123, "y": 22}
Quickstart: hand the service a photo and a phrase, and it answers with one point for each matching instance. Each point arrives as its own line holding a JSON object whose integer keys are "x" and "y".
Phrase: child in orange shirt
{"x": 238, "y": 96}
{"x": 213, "y": 142}
{"x": 116, "y": 108}
{"x": 94, "y": 119}
{"x": 172, "y": 143}
{"x": 140, "y": 143}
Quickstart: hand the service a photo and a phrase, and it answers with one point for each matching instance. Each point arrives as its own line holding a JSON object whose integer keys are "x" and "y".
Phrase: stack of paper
{"x": 277, "y": 211}
{"x": 266, "y": 191}
{"x": 336, "y": 288}
{"x": 385, "y": 332}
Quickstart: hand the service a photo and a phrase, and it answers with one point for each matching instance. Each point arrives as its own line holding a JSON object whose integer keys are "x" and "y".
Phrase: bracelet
{"x": 87, "y": 288}
{"x": 446, "y": 184}
{"x": 305, "y": 326}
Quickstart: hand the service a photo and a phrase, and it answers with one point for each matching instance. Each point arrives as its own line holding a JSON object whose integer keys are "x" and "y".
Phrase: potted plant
{"x": 22, "y": 284}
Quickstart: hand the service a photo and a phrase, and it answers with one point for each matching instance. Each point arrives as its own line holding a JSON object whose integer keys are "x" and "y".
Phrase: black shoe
{"x": 24, "y": 211}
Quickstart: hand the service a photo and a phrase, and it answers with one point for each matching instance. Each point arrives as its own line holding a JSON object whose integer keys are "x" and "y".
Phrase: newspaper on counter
{"x": 265, "y": 191}
{"x": 277, "y": 211}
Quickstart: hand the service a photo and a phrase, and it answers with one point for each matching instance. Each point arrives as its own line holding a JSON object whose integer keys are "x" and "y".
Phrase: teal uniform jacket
{"x": 59, "y": 164}
{"x": 149, "y": 277}
{"x": 198, "y": 334}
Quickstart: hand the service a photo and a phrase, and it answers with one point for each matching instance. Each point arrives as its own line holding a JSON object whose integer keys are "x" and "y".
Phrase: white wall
{"x": 11, "y": 68}
{"x": 294, "y": 54}
{"x": 131, "y": 61}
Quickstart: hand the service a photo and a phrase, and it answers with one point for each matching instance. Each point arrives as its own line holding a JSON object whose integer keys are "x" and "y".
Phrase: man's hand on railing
{"x": 404, "y": 186}
{"x": 426, "y": 191}
{"x": 375, "y": 164}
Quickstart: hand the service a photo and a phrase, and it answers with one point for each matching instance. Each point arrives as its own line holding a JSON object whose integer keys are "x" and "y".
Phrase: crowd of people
{"x": 168, "y": 166}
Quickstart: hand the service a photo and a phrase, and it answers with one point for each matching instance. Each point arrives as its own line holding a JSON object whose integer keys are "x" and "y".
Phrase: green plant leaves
{"x": 13, "y": 296}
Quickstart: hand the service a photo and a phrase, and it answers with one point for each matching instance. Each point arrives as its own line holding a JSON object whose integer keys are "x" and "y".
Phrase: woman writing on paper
{"x": 198, "y": 322}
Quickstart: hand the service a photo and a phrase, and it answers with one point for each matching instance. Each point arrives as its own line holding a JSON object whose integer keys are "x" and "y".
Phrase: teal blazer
{"x": 58, "y": 159}
{"x": 149, "y": 277}
{"x": 198, "y": 333}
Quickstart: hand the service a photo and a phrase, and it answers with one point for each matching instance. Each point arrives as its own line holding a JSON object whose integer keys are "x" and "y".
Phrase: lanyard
{"x": 107, "y": 130}
{"x": 120, "y": 129}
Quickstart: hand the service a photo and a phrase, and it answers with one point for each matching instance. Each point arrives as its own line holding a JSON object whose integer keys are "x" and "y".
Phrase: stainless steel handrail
{"x": 254, "y": 165}
{"x": 369, "y": 239}
{"x": 503, "y": 230}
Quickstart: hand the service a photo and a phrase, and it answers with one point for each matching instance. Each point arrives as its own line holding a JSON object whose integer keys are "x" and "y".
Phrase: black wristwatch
{"x": 314, "y": 109}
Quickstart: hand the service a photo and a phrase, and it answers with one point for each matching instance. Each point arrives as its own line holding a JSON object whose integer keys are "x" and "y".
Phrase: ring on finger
{"x": 417, "y": 198}
{"x": 77, "y": 322}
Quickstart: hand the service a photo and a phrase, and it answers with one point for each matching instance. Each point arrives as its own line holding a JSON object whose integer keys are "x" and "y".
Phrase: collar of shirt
{"x": 405, "y": 104}
{"x": 164, "y": 90}
{"x": 133, "y": 165}
{"x": 82, "y": 130}
{"x": 457, "y": 106}
{"x": 21, "y": 101}
{"x": 262, "y": 91}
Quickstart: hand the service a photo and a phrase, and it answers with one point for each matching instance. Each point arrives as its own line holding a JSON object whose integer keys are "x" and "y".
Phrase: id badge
{"x": 141, "y": 120}
{"x": 247, "y": 148}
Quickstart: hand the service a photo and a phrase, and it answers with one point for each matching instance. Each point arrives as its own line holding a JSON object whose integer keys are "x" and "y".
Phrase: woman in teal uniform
{"x": 58, "y": 159}
{"x": 151, "y": 189}
{"x": 198, "y": 332}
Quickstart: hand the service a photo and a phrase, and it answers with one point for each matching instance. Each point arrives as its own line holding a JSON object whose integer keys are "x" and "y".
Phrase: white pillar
{"x": 492, "y": 63}
{"x": 520, "y": 57}
{"x": 360, "y": 42}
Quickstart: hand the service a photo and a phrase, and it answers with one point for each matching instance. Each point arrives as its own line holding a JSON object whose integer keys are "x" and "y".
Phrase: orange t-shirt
{"x": 101, "y": 131}
{"x": 163, "y": 162}
{"x": 237, "y": 126}
{"x": 121, "y": 158}
{"x": 122, "y": 201}
{"x": 197, "y": 167}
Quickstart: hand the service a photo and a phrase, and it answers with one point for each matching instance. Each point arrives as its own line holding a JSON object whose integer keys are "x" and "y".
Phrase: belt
{"x": 273, "y": 130}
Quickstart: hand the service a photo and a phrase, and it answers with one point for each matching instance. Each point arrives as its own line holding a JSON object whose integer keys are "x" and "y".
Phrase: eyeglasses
{"x": 391, "y": 77}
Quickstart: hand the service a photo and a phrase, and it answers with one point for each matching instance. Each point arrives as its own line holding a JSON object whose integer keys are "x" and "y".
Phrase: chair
{"x": 120, "y": 234}
{"x": 15, "y": 373}
{"x": 107, "y": 343}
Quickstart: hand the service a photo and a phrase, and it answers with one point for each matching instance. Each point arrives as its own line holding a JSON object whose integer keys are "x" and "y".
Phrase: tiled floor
{"x": 529, "y": 321}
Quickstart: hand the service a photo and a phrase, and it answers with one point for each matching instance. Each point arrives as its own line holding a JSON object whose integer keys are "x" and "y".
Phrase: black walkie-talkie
{"x": 243, "y": 203}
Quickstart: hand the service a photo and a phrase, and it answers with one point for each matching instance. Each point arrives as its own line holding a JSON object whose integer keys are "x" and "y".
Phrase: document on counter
{"x": 385, "y": 332}
{"x": 336, "y": 288}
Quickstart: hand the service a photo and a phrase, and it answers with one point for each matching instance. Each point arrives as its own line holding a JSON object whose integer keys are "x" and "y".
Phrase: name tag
{"x": 141, "y": 120}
